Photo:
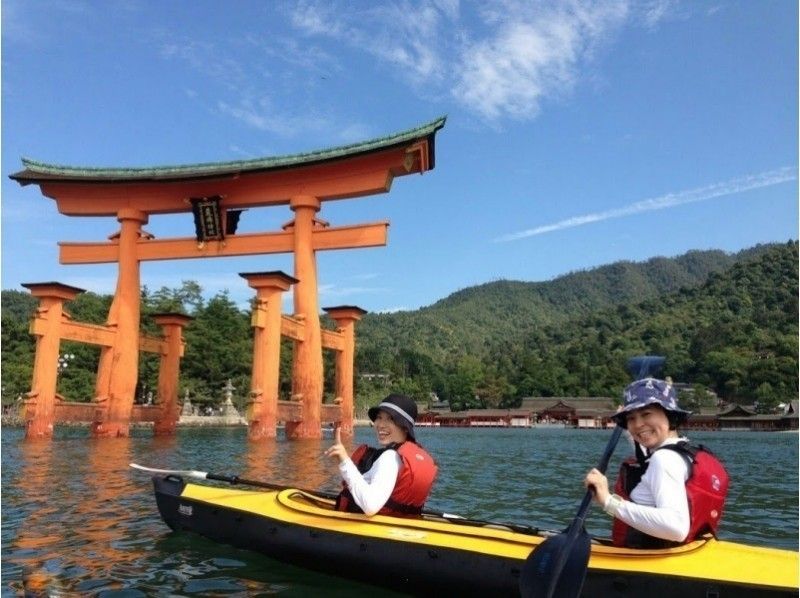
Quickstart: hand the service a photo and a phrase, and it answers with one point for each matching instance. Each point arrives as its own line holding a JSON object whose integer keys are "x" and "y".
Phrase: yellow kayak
{"x": 438, "y": 553}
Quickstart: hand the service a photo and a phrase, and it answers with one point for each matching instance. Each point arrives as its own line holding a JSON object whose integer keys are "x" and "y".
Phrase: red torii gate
{"x": 216, "y": 193}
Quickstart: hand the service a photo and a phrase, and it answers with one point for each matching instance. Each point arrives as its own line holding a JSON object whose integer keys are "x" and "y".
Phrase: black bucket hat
{"x": 402, "y": 410}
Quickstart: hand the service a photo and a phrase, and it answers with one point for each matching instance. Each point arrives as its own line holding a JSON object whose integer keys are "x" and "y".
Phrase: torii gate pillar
{"x": 172, "y": 325}
{"x": 40, "y": 406}
{"x": 345, "y": 317}
{"x": 307, "y": 374}
{"x": 262, "y": 408}
{"x": 119, "y": 364}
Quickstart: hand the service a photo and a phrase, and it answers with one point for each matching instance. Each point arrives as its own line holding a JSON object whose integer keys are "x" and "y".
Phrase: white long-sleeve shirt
{"x": 659, "y": 506}
{"x": 372, "y": 489}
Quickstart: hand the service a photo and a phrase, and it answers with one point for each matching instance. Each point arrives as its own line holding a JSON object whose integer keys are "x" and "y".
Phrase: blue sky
{"x": 578, "y": 133}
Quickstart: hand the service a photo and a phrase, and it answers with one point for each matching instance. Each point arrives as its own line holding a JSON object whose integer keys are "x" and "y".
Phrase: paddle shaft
{"x": 601, "y": 467}
{"x": 219, "y": 477}
{"x": 542, "y": 570}
{"x": 577, "y": 524}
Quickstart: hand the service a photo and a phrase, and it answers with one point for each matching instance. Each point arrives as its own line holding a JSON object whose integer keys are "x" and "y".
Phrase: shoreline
{"x": 191, "y": 421}
{"x": 211, "y": 421}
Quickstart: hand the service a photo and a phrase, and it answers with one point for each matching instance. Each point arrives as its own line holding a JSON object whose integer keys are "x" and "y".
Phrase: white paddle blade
{"x": 189, "y": 473}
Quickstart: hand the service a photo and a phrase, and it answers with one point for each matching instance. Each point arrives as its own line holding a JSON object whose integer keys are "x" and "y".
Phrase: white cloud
{"x": 534, "y": 51}
{"x": 449, "y": 7}
{"x": 248, "y": 76}
{"x": 354, "y": 132}
{"x": 656, "y": 11}
{"x": 258, "y": 116}
{"x": 404, "y": 34}
{"x": 499, "y": 60}
{"x": 334, "y": 291}
{"x": 31, "y": 22}
{"x": 235, "y": 149}
{"x": 731, "y": 187}
{"x": 318, "y": 18}
{"x": 366, "y": 276}
{"x": 309, "y": 58}
{"x": 515, "y": 53}
{"x": 208, "y": 58}
{"x": 263, "y": 115}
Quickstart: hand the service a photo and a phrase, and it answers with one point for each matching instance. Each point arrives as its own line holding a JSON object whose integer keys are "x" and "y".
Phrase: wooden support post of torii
{"x": 39, "y": 414}
{"x": 119, "y": 364}
{"x": 172, "y": 325}
{"x": 262, "y": 407}
{"x": 307, "y": 374}
{"x": 345, "y": 317}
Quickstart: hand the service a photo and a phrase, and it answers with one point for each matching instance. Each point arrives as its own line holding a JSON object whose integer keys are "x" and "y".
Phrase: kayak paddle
{"x": 557, "y": 567}
{"x": 204, "y": 475}
{"x": 644, "y": 365}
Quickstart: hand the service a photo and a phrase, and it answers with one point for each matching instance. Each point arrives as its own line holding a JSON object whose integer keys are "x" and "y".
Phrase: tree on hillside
{"x": 16, "y": 357}
{"x": 218, "y": 347}
{"x": 462, "y": 384}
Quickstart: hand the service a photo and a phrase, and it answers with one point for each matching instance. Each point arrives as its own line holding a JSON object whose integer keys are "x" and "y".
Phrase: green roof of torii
{"x": 36, "y": 171}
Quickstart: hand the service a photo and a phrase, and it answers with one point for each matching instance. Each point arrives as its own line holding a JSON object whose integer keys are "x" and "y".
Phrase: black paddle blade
{"x": 557, "y": 567}
{"x": 645, "y": 366}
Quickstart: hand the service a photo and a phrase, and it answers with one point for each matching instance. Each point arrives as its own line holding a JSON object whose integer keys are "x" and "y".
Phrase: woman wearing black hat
{"x": 394, "y": 479}
{"x": 663, "y": 497}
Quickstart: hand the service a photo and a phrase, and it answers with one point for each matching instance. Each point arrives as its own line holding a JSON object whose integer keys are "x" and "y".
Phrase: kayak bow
{"x": 431, "y": 555}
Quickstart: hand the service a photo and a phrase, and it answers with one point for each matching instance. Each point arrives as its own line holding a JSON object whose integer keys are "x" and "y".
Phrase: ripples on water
{"x": 76, "y": 521}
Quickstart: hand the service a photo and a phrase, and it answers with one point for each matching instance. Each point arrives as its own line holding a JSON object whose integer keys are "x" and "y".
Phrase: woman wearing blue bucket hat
{"x": 394, "y": 479}
{"x": 662, "y": 497}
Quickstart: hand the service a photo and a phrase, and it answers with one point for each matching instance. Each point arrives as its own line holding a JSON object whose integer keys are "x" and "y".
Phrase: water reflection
{"x": 35, "y": 543}
{"x": 261, "y": 456}
{"x": 77, "y": 521}
{"x": 306, "y": 466}
{"x": 81, "y": 497}
{"x": 298, "y": 463}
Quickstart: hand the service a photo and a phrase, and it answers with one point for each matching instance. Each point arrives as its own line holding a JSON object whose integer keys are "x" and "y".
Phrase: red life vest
{"x": 414, "y": 480}
{"x": 706, "y": 489}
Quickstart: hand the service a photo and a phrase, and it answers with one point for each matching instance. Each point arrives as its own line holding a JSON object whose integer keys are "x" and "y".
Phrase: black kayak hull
{"x": 403, "y": 565}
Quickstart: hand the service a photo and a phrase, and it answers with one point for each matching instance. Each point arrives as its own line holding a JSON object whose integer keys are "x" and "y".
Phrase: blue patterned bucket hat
{"x": 649, "y": 391}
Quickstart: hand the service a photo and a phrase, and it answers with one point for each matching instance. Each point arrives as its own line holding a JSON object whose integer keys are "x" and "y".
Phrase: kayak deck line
{"x": 420, "y": 531}
{"x": 322, "y": 518}
{"x": 504, "y": 542}
{"x": 492, "y": 547}
{"x": 491, "y": 531}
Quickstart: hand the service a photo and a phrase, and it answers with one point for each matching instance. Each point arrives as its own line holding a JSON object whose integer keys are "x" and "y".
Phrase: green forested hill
{"x": 728, "y": 322}
{"x": 737, "y": 334}
{"x": 474, "y": 320}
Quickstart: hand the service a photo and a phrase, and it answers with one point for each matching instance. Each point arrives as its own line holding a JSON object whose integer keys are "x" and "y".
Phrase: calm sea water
{"x": 76, "y": 521}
